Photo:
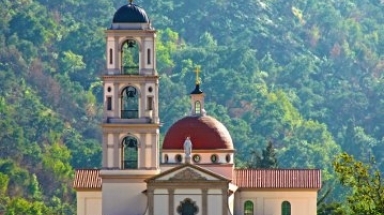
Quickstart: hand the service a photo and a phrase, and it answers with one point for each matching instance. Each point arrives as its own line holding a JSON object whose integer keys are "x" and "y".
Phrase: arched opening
{"x": 286, "y": 208}
{"x": 129, "y": 153}
{"x": 130, "y": 57}
{"x": 129, "y": 103}
{"x": 248, "y": 208}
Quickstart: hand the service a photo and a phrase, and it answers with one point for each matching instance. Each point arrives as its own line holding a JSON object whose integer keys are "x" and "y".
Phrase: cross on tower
{"x": 197, "y": 71}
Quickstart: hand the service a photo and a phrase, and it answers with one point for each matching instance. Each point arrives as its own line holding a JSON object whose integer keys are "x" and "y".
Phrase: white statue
{"x": 187, "y": 147}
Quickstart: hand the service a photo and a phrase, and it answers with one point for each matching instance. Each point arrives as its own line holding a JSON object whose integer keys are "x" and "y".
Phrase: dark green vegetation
{"x": 306, "y": 76}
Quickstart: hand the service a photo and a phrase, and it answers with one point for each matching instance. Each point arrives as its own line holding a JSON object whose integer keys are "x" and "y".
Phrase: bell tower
{"x": 130, "y": 124}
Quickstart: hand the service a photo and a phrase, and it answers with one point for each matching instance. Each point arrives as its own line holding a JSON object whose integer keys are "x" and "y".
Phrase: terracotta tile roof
{"x": 278, "y": 178}
{"x": 87, "y": 179}
{"x": 244, "y": 178}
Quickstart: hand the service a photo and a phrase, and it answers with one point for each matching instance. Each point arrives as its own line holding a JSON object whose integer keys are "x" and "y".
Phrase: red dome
{"x": 205, "y": 133}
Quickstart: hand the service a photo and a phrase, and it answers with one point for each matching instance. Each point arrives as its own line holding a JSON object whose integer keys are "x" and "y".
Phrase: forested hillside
{"x": 304, "y": 75}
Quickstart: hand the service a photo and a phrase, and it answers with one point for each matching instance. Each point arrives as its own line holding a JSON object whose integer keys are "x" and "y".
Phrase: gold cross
{"x": 197, "y": 71}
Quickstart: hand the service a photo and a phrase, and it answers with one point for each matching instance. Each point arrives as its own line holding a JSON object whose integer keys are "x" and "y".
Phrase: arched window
{"x": 129, "y": 153}
{"x": 130, "y": 57}
{"x": 248, "y": 208}
{"x": 285, "y": 208}
{"x": 197, "y": 107}
{"x": 129, "y": 103}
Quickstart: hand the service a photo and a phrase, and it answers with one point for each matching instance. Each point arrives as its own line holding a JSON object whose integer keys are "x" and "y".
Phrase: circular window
{"x": 214, "y": 158}
{"x": 228, "y": 158}
{"x": 109, "y": 89}
{"x": 165, "y": 158}
{"x": 196, "y": 158}
{"x": 150, "y": 89}
{"x": 178, "y": 158}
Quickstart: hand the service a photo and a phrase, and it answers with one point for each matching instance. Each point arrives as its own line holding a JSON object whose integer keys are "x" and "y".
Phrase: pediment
{"x": 187, "y": 173}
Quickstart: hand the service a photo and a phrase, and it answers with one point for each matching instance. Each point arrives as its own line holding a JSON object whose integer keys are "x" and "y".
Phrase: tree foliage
{"x": 364, "y": 181}
{"x": 306, "y": 75}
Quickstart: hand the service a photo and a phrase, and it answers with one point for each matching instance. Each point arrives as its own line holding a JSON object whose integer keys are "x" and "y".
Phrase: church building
{"x": 192, "y": 172}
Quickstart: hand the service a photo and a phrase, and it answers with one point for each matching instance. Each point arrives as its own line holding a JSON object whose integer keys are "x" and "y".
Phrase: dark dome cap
{"x": 130, "y": 13}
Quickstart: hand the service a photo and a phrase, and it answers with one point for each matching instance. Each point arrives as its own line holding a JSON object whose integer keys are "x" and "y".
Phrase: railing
{"x": 130, "y": 70}
{"x": 129, "y": 114}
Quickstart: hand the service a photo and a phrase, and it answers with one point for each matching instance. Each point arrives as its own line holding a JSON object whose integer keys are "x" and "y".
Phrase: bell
{"x": 131, "y": 43}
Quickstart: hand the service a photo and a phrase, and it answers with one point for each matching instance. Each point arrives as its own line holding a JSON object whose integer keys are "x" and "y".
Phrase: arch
{"x": 129, "y": 153}
{"x": 129, "y": 103}
{"x": 286, "y": 208}
{"x": 248, "y": 207}
{"x": 130, "y": 57}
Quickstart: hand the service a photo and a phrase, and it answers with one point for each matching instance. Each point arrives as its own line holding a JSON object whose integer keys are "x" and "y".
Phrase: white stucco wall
{"x": 120, "y": 198}
{"x": 303, "y": 202}
{"x": 161, "y": 202}
{"x": 215, "y": 201}
{"x": 88, "y": 202}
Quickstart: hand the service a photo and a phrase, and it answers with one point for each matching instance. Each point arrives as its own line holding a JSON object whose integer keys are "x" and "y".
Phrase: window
{"x": 248, "y": 208}
{"x": 197, "y": 107}
{"x": 129, "y": 103}
{"x": 148, "y": 56}
{"x": 187, "y": 207}
{"x": 196, "y": 158}
{"x": 228, "y": 158}
{"x": 149, "y": 103}
{"x": 214, "y": 158}
{"x": 286, "y": 208}
{"x": 129, "y": 153}
{"x": 109, "y": 103}
{"x": 166, "y": 158}
{"x": 110, "y": 56}
{"x": 178, "y": 158}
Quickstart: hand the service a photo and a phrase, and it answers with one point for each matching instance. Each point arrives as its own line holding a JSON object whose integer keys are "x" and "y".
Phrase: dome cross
{"x": 197, "y": 71}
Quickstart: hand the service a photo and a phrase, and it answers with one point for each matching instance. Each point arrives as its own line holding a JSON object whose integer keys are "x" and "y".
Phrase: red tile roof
{"x": 243, "y": 178}
{"x": 278, "y": 178}
{"x": 87, "y": 179}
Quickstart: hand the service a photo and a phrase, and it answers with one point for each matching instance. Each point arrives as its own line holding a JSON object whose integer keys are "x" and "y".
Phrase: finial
{"x": 130, "y": 1}
{"x": 197, "y": 70}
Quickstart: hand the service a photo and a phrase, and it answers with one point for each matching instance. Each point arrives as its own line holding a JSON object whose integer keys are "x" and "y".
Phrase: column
{"x": 224, "y": 194}
{"x": 204, "y": 204}
{"x": 171, "y": 201}
{"x": 150, "y": 201}
{"x": 116, "y": 151}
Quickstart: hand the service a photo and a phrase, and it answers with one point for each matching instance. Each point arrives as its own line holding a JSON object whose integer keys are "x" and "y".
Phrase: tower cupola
{"x": 197, "y": 97}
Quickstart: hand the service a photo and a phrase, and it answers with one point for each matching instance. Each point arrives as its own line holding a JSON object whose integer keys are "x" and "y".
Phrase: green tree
{"x": 269, "y": 159}
{"x": 365, "y": 183}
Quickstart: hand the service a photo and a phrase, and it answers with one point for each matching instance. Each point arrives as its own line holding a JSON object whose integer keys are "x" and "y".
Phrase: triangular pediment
{"x": 187, "y": 172}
